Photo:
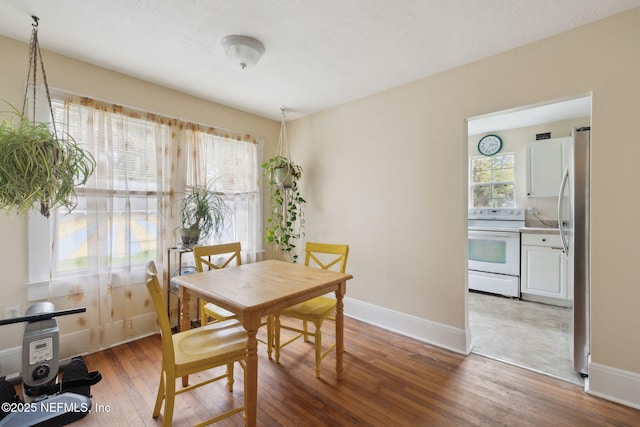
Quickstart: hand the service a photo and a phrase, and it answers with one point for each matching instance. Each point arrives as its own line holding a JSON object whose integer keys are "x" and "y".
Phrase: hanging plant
{"x": 286, "y": 221}
{"x": 38, "y": 168}
{"x": 285, "y": 224}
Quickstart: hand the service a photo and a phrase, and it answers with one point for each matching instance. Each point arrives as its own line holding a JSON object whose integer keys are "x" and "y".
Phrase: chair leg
{"x": 318, "y": 345}
{"x": 203, "y": 316}
{"x": 169, "y": 400}
{"x": 276, "y": 336}
{"x": 269, "y": 335}
{"x": 160, "y": 397}
{"x": 178, "y": 310}
{"x": 230, "y": 378}
{"x": 305, "y": 328}
{"x": 244, "y": 404}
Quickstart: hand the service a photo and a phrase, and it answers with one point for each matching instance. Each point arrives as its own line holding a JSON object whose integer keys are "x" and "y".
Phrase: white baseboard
{"x": 437, "y": 334}
{"x": 614, "y": 384}
{"x": 606, "y": 382}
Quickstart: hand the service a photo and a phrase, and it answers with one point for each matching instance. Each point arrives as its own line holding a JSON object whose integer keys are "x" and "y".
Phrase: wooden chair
{"x": 215, "y": 257}
{"x": 192, "y": 351}
{"x": 315, "y": 310}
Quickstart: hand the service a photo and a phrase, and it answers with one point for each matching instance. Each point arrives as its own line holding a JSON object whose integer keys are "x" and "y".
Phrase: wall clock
{"x": 490, "y": 145}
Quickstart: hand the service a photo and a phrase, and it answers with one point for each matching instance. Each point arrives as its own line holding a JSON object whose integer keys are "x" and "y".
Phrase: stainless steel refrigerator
{"x": 573, "y": 223}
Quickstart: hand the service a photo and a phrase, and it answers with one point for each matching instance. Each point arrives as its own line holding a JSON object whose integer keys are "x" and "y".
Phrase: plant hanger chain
{"x": 34, "y": 55}
{"x": 283, "y": 146}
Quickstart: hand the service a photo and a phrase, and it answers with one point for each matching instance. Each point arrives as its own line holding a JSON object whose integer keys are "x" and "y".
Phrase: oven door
{"x": 494, "y": 252}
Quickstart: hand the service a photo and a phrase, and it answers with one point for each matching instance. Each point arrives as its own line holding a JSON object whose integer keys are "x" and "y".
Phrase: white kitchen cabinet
{"x": 544, "y": 167}
{"x": 543, "y": 269}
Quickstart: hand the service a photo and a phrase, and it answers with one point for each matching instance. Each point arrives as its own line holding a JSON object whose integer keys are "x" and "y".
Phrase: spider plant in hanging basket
{"x": 38, "y": 169}
{"x": 286, "y": 222}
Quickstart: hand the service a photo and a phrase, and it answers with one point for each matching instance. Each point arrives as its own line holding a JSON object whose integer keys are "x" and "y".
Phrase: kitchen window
{"x": 492, "y": 181}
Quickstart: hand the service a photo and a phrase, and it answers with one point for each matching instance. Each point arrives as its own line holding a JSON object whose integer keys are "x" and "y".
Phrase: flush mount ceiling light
{"x": 243, "y": 50}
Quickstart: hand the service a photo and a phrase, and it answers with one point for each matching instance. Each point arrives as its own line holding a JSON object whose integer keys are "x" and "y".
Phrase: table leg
{"x": 185, "y": 311}
{"x": 251, "y": 372}
{"x": 340, "y": 329}
{"x": 185, "y": 319}
{"x": 169, "y": 285}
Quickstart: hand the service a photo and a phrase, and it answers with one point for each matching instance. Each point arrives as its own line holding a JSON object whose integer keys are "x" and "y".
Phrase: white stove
{"x": 494, "y": 250}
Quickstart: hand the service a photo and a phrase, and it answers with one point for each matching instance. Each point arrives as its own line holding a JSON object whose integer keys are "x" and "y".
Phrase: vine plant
{"x": 285, "y": 224}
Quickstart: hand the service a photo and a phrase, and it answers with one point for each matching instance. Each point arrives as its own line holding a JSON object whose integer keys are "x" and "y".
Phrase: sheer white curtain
{"x": 229, "y": 162}
{"x": 99, "y": 250}
{"x": 123, "y": 218}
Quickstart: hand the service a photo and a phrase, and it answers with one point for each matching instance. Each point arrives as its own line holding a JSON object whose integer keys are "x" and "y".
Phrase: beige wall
{"x": 388, "y": 175}
{"x": 81, "y": 78}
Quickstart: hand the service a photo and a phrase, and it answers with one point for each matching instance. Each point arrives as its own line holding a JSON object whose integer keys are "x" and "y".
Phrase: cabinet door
{"x": 544, "y": 167}
{"x": 544, "y": 272}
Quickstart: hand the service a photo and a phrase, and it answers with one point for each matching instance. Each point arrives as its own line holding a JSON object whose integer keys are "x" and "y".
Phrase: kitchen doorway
{"x": 539, "y": 334}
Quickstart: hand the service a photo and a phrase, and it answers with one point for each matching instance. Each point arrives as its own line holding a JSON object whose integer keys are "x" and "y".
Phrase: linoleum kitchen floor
{"x": 532, "y": 335}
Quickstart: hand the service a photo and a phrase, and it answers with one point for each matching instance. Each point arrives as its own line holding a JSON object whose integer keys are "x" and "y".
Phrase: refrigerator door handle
{"x": 563, "y": 186}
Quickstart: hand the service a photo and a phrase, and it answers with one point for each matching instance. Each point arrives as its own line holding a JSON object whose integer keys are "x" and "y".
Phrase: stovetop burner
{"x": 496, "y": 219}
{"x": 494, "y": 214}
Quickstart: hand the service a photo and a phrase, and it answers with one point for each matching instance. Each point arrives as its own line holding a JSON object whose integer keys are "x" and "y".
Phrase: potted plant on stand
{"x": 202, "y": 213}
{"x": 286, "y": 222}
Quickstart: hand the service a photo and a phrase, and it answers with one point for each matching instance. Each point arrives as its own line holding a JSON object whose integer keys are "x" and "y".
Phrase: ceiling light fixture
{"x": 244, "y": 51}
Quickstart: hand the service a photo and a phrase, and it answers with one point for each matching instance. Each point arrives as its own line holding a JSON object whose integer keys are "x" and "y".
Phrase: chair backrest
{"x": 223, "y": 254}
{"x": 313, "y": 250}
{"x": 155, "y": 289}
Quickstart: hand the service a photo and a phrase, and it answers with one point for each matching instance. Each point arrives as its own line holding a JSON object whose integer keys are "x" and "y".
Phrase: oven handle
{"x": 478, "y": 233}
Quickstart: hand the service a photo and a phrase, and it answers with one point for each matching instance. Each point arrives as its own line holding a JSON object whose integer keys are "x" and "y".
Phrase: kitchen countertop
{"x": 539, "y": 230}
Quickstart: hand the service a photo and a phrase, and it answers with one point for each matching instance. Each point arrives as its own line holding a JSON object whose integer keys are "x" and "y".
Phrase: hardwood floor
{"x": 389, "y": 380}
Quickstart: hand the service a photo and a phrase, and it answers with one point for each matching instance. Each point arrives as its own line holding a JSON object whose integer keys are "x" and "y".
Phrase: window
{"x": 232, "y": 168}
{"x": 492, "y": 181}
{"x": 115, "y": 224}
{"x": 121, "y": 219}
{"x": 96, "y": 255}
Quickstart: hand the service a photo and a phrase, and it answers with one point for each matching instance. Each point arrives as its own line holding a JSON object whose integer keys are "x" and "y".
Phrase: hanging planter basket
{"x": 284, "y": 176}
{"x": 38, "y": 167}
{"x": 286, "y": 222}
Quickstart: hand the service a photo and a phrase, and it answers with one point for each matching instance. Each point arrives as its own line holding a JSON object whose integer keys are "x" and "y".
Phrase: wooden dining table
{"x": 259, "y": 289}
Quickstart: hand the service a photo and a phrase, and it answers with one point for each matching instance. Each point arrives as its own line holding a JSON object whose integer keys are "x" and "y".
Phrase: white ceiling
{"x": 530, "y": 116}
{"x": 318, "y": 53}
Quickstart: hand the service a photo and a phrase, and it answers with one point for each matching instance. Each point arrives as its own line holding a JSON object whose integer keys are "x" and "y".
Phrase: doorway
{"x": 534, "y": 335}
